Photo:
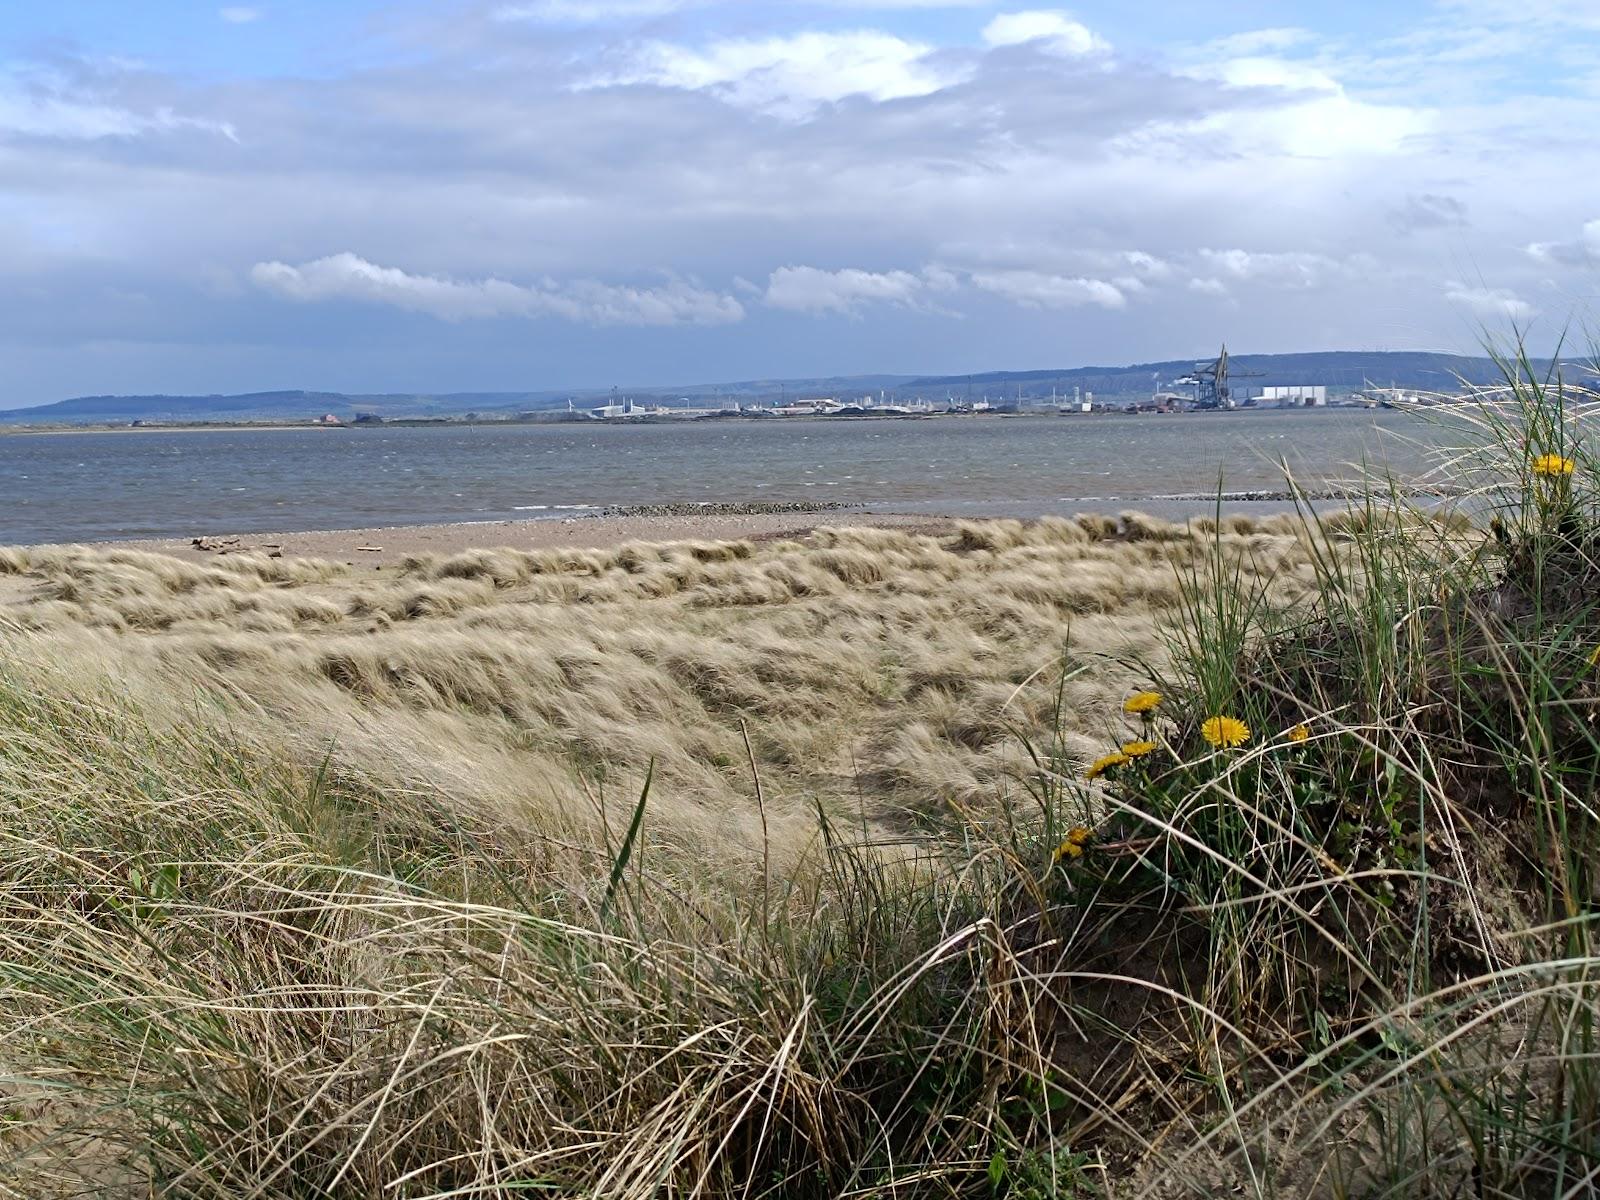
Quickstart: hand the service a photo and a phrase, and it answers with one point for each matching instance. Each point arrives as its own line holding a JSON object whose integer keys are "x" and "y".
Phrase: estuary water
{"x": 99, "y": 486}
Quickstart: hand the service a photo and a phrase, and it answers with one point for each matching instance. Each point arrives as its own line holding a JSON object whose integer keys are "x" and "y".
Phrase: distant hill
{"x": 1337, "y": 369}
{"x": 307, "y": 405}
{"x": 266, "y": 406}
{"x": 184, "y": 408}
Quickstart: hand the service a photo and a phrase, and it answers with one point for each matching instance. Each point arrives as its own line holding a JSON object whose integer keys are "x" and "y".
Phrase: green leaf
{"x": 619, "y": 867}
{"x": 997, "y": 1170}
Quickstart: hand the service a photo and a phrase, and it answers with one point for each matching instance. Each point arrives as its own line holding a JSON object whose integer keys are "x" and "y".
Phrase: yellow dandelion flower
{"x": 1138, "y": 749}
{"x": 1225, "y": 731}
{"x": 1141, "y": 702}
{"x": 1552, "y": 466}
{"x": 1073, "y": 845}
{"x": 1104, "y": 763}
{"x": 1298, "y": 734}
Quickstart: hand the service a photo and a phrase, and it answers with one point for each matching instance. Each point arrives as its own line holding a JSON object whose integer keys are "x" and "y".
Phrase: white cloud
{"x": 1146, "y": 266}
{"x": 1316, "y": 117}
{"x": 1208, "y": 287}
{"x": 1274, "y": 73}
{"x": 44, "y": 113}
{"x": 1582, "y": 252}
{"x": 791, "y": 74}
{"x": 1050, "y": 29}
{"x": 849, "y": 291}
{"x": 1290, "y": 269}
{"x": 812, "y": 290}
{"x": 238, "y": 15}
{"x": 1035, "y": 289}
{"x": 349, "y": 277}
{"x": 1491, "y": 303}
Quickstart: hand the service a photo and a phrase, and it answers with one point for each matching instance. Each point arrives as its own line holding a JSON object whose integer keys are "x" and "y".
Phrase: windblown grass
{"x": 773, "y": 870}
{"x": 882, "y": 673}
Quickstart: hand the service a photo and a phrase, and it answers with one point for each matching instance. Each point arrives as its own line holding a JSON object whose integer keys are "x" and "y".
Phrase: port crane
{"x": 1210, "y": 381}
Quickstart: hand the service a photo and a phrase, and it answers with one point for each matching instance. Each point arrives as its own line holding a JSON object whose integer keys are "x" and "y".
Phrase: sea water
{"x": 95, "y": 486}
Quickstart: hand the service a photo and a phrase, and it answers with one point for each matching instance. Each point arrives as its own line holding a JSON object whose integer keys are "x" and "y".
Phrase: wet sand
{"x": 388, "y": 546}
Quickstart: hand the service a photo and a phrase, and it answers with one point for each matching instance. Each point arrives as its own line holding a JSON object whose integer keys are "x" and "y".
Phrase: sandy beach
{"x": 389, "y": 546}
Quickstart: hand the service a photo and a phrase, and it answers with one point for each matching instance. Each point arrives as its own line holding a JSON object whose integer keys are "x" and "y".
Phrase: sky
{"x": 522, "y": 195}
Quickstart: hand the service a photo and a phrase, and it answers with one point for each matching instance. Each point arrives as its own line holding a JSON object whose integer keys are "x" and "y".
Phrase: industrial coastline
{"x": 1212, "y": 385}
{"x": 663, "y": 414}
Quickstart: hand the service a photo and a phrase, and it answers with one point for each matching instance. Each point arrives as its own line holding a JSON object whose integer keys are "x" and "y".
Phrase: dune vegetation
{"x": 1103, "y": 857}
{"x": 879, "y": 673}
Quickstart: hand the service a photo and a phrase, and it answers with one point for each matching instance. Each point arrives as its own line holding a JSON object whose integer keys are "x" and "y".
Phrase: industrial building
{"x": 1297, "y": 395}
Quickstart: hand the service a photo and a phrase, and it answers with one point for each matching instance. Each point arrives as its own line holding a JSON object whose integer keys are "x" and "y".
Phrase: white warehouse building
{"x": 1298, "y": 395}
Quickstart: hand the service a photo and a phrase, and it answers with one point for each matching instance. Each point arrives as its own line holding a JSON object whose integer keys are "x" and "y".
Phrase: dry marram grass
{"x": 882, "y": 672}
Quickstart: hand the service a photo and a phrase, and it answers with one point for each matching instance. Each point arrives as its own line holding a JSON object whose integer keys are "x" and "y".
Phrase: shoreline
{"x": 602, "y": 528}
{"x": 380, "y": 546}
{"x": 550, "y": 418}
{"x": 58, "y": 430}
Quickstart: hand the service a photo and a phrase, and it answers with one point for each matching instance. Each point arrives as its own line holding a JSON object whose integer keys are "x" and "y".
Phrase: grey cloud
{"x": 1427, "y": 210}
{"x": 511, "y": 170}
{"x": 1582, "y": 251}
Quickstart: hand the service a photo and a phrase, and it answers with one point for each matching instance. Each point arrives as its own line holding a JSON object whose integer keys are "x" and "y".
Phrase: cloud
{"x": 1035, "y": 289}
{"x": 1049, "y": 29}
{"x": 811, "y": 290}
{"x": 1146, "y": 266}
{"x": 850, "y": 291}
{"x": 1491, "y": 303}
{"x": 1286, "y": 269}
{"x": 349, "y": 277}
{"x": 1584, "y": 251}
{"x": 1266, "y": 72}
{"x": 790, "y": 74}
{"x": 1427, "y": 211}
{"x": 1300, "y": 109}
{"x": 67, "y": 119}
{"x": 237, "y": 15}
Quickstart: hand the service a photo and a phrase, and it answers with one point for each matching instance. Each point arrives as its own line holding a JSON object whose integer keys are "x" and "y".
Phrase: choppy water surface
{"x": 100, "y": 486}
